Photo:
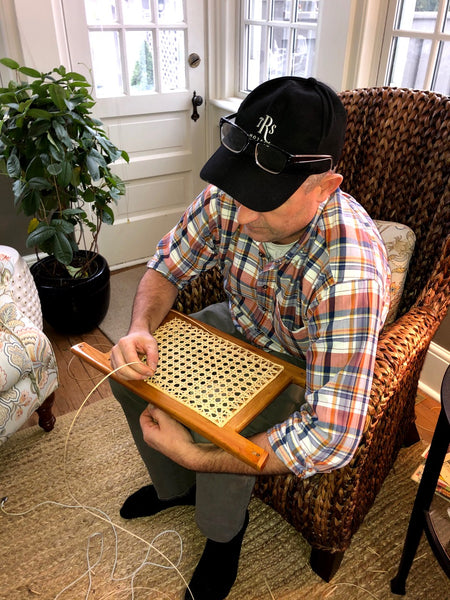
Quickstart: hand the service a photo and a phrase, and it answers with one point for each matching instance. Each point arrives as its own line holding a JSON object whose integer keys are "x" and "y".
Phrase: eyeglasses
{"x": 268, "y": 157}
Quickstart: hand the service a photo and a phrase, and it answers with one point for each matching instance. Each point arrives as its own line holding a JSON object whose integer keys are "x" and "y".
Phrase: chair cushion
{"x": 399, "y": 240}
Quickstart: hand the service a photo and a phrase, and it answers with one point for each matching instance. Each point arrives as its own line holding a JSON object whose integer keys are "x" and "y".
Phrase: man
{"x": 306, "y": 277}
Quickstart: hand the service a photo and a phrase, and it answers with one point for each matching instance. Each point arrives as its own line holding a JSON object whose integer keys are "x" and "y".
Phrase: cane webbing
{"x": 210, "y": 374}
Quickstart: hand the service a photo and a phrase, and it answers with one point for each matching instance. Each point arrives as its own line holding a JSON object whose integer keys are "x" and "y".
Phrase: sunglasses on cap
{"x": 268, "y": 157}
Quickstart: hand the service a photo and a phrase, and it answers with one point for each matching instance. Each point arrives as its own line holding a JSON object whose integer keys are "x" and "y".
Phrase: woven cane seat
{"x": 219, "y": 378}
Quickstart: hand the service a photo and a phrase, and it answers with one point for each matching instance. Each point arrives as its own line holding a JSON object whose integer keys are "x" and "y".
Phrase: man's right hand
{"x": 130, "y": 349}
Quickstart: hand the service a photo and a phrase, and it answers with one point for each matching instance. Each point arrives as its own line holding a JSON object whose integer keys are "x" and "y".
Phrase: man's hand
{"x": 168, "y": 436}
{"x": 172, "y": 439}
{"x": 154, "y": 297}
{"x": 130, "y": 349}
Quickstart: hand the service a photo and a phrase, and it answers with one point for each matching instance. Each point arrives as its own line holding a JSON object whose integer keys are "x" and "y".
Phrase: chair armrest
{"x": 401, "y": 352}
{"x": 26, "y": 350}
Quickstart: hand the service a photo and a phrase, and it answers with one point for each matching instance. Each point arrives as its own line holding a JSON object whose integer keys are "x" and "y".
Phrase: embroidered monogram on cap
{"x": 266, "y": 127}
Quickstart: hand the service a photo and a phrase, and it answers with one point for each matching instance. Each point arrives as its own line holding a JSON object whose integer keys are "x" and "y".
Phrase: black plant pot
{"x": 73, "y": 305}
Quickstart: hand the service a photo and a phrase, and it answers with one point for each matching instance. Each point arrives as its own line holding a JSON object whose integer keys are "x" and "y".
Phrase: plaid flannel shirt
{"x": 325, "y": 301}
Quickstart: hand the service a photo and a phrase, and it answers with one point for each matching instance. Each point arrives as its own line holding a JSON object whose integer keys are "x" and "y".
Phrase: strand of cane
{"x": 99, "y": 514}
{"x": 107, "y": 519}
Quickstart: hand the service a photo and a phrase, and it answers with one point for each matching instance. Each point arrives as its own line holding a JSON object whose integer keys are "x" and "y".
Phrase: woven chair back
{"x": 396, "y": 163}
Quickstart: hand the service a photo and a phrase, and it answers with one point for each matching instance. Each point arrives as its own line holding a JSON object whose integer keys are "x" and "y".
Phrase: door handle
{"x": 196, "y": 101}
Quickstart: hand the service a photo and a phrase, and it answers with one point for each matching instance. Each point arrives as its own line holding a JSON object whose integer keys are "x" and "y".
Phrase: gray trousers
{"x": 221, "y": 498}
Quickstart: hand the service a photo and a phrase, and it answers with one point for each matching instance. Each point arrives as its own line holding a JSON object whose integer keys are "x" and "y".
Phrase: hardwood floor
{"x": 77, "y": 379}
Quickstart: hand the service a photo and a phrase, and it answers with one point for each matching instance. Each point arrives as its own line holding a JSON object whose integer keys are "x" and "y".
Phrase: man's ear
{"x": 329, "y": 184}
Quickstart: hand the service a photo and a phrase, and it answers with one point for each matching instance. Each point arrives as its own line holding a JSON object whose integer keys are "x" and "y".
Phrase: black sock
{"x": 145, "y": 502}
{"x": 217, "y": 569}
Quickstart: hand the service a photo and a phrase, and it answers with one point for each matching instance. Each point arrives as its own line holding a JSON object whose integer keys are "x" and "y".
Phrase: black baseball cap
{"x": 298, "y": 115}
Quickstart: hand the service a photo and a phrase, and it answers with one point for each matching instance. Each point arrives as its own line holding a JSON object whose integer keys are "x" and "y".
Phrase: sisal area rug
{"x": 68, "y": 552}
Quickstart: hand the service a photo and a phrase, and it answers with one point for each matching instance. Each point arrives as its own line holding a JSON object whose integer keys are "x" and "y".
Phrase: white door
{"x": 146, "y": 58}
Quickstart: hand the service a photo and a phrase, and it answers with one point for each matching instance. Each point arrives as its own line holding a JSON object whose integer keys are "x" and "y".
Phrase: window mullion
{"x": 432, "y": 63}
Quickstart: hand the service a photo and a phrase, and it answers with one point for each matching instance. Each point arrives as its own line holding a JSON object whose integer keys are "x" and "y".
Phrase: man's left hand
{"x": 166, "y": 435}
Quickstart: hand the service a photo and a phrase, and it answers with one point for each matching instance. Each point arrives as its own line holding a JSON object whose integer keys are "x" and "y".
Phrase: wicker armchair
{"x": 396, "y": 164}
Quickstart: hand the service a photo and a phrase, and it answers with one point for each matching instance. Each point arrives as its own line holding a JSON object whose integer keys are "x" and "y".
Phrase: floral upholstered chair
{"x": 28, "y": 370}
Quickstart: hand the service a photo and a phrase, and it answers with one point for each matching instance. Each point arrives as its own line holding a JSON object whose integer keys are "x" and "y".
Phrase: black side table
{"x": 420, "y": 517}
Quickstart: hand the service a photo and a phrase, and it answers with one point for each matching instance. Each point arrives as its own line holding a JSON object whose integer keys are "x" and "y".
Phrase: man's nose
{"x": 245, "y": 215}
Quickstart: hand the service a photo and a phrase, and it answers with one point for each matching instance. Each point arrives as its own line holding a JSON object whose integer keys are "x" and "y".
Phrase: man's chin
{"x": 257, "y": 235}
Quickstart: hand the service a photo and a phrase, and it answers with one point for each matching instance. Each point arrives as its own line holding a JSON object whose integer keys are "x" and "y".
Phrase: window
{"x": 278, "y": 38}
{"x": 137, "y": 46}
{"x": 419, "y": 45}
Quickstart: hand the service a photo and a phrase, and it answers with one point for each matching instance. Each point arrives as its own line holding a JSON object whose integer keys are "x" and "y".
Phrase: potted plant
{"x": 58, "y": 157}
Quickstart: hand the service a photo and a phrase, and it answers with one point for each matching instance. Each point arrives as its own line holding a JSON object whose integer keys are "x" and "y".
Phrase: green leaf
{"x": 35, "y": 168}
{"x": 89, "y": 195}
{"x": 13, "y": 166}
{"x": 93, "y": 166}
{"x": 75, "y": 271}
{"x": 29, "y": 72}
{"x": 31, "y": 202}
{"x": 74, "y": 212}
{"x": 37, "y": 128}
{"x": 75, "y": 76}
{"x": 107, "y": 215}
{"x": 10, "y": 63}
{"x": 75, "y": 181}
{"x": 42, "y": 233}
{"x": 58, "y": 95}
{"x": 38, "y": 113}
{"x": 62, "y": 249}
{"x": 54, "y": 168}
{"x": 39, "y": 183}
{"x": 62, "y": 135}
{"x": 63, "y": 226}
{"x": 7, "y": 98}
{"x": 19, "y": 188}
{"x": 65, "y": 176}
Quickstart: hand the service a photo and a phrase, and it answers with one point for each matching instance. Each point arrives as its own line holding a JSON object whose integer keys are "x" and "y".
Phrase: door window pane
{"x": 137, "y": 11}
{"x": 100, "y": 11}
{"x": 137, "y": 46}
{"x": 140, "y": 61}
{"x": 105, "y": 52}
{"x": 173, "y": 60}
{"x": 170, "y": 11}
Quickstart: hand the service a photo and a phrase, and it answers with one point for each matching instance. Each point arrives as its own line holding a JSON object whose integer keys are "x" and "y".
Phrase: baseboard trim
{"x": 435, "y": 365}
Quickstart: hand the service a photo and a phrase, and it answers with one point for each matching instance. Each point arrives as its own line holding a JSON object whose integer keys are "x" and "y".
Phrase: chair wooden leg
{"x": 46, "y": 418}
{"x": 325, "y": 563}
